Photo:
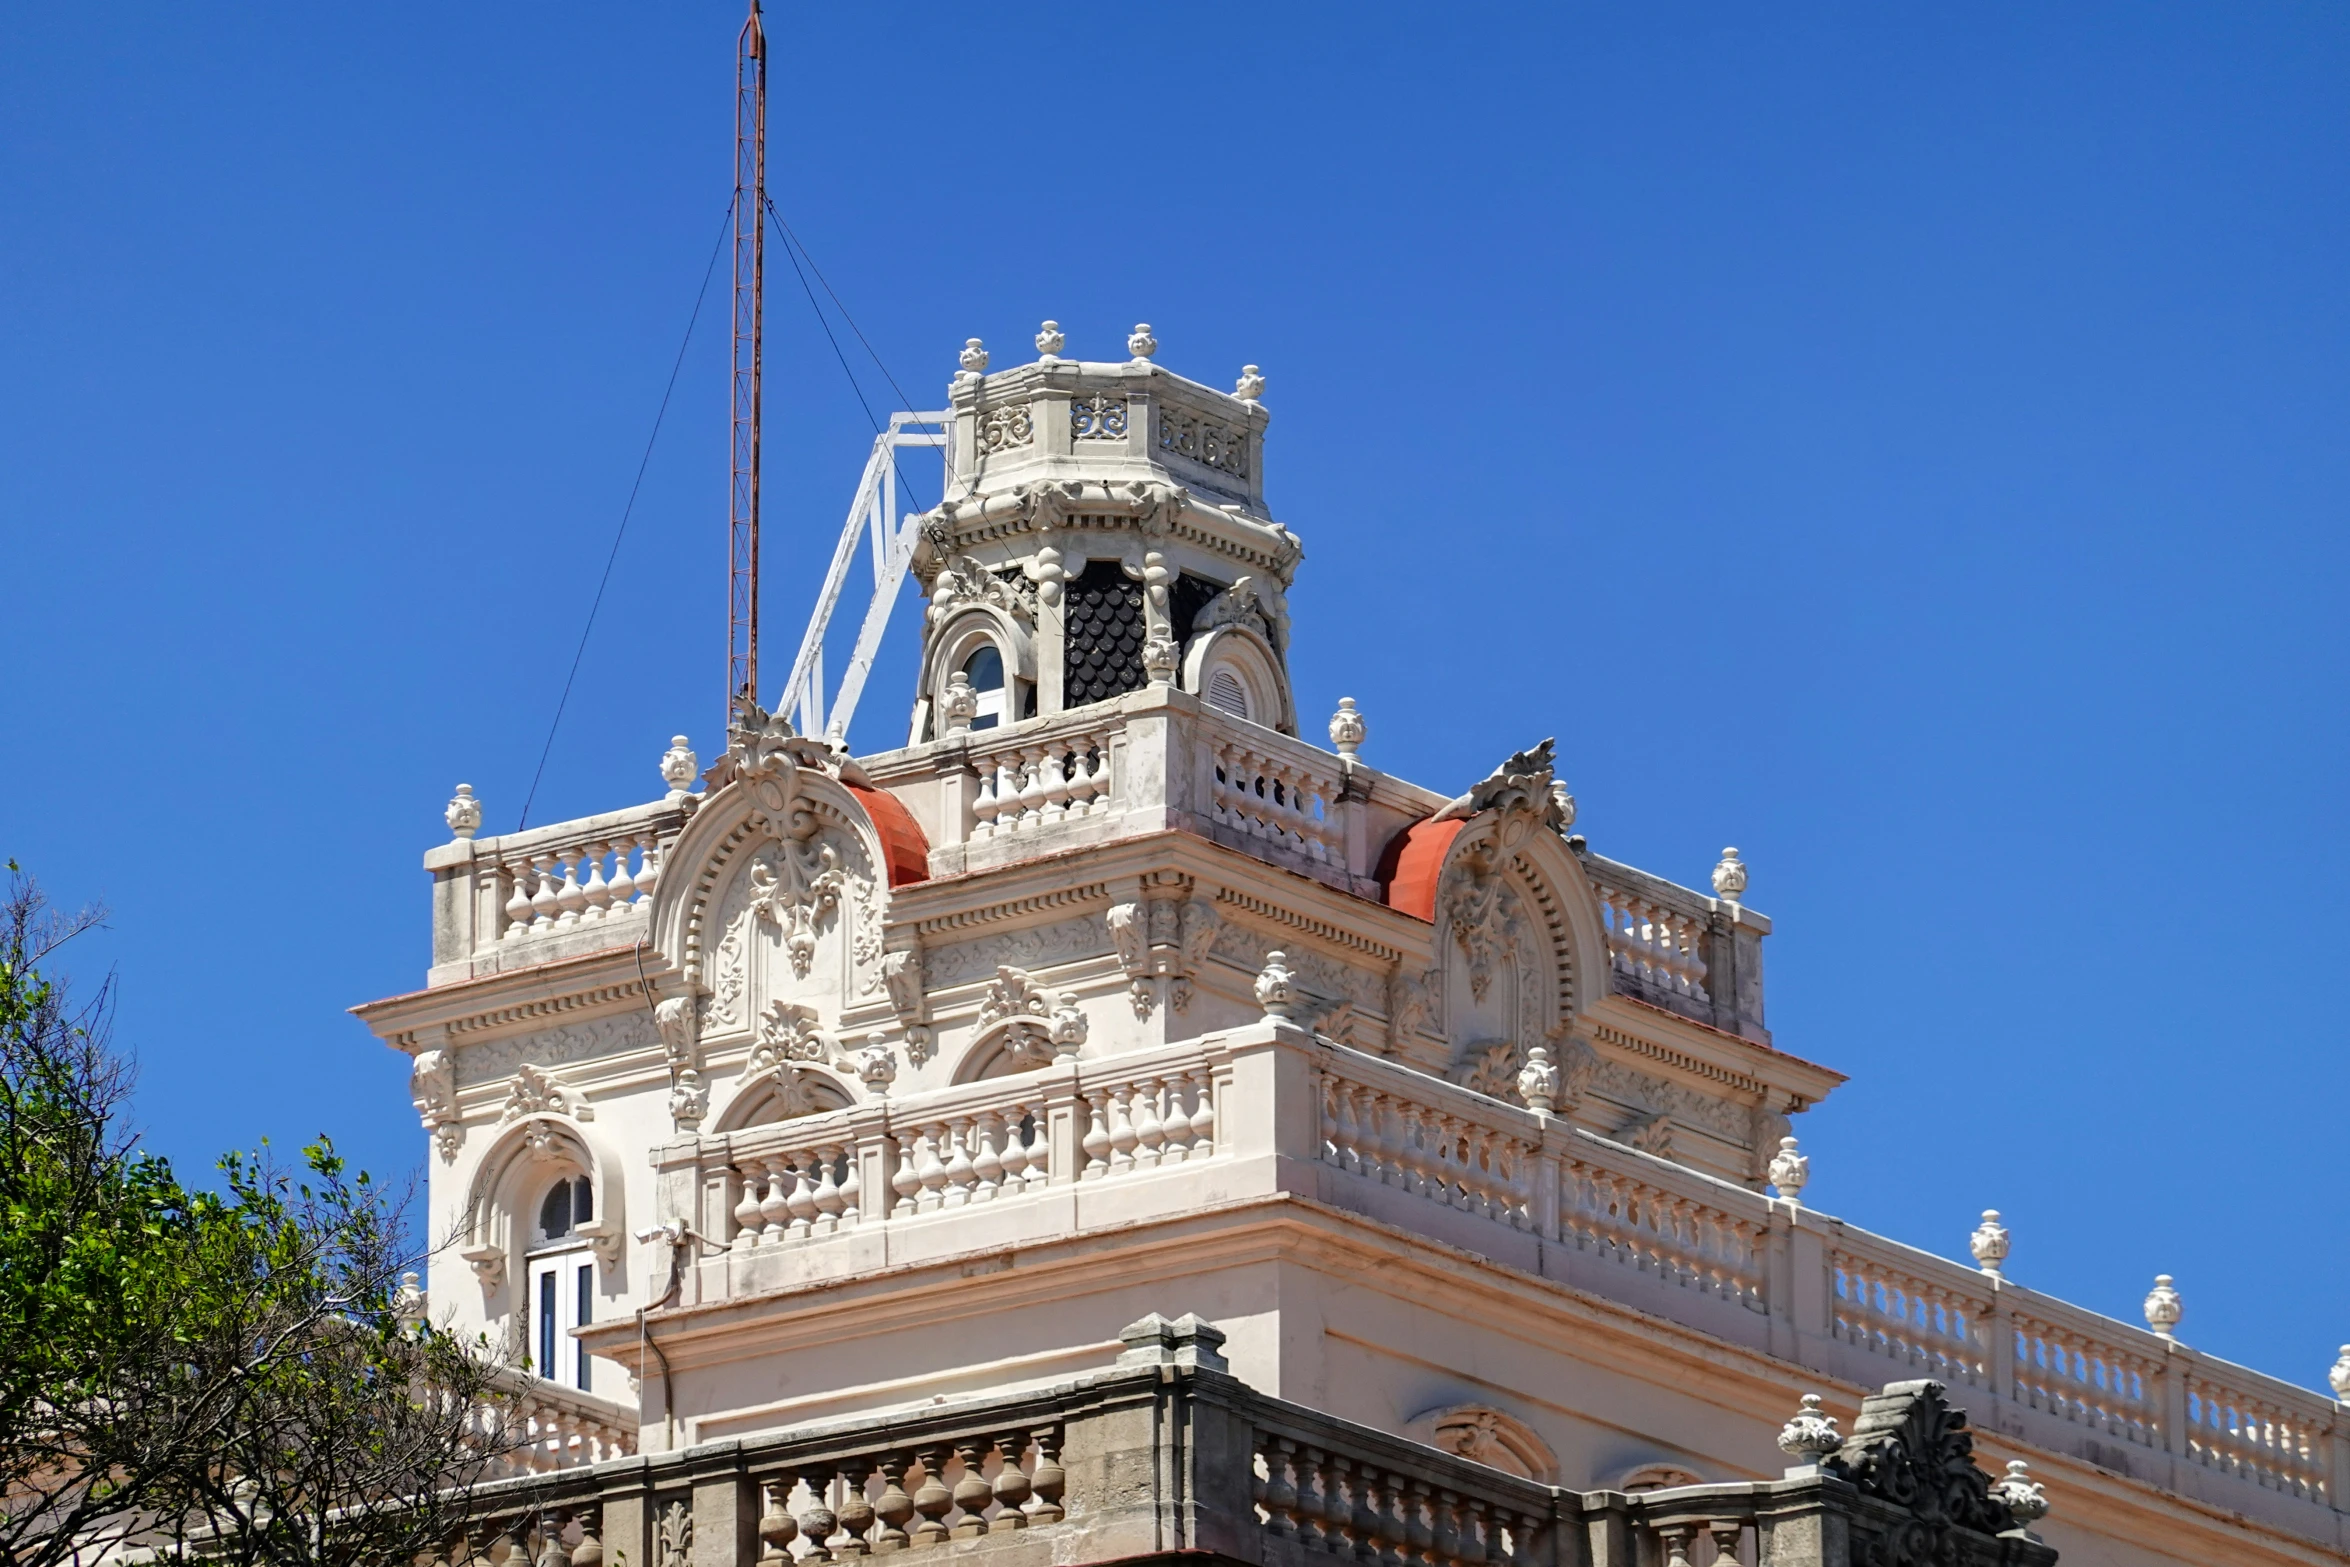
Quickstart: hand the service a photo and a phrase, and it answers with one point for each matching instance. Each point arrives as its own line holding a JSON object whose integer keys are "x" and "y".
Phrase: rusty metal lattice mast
{"x": 750, "y": 205}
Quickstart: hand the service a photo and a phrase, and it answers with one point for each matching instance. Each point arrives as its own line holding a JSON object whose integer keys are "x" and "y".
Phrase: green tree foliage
{"x": 225, "y": 1374}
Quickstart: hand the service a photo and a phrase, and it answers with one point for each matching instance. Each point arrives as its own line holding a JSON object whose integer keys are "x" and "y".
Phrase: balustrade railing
{"x": 551, "y": 1427}
{"x": 1530, "y": 1191}
{"x": 498, "y": 895}
{"x": 1275, "y": 790}
{"x": 1656, "y": 943}
{"x": 1029, "y": 781}
{"x": 562, "y": 887}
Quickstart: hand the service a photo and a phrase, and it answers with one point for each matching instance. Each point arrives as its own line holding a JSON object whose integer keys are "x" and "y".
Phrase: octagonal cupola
{"x": 1104, "y": 530}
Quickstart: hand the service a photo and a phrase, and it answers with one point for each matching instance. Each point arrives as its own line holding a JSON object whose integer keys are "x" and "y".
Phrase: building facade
{"x": 1113, "y": 1058}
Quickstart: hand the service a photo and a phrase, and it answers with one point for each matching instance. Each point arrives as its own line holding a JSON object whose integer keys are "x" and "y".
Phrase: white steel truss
{"x": 874, "y": 513}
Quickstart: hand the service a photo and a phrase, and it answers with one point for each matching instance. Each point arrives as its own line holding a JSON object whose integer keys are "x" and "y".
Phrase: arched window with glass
{"x": 562, "y": 1271}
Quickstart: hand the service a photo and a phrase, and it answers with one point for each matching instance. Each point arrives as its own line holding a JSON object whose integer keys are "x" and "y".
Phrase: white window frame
{"x": 562, "y": 1297}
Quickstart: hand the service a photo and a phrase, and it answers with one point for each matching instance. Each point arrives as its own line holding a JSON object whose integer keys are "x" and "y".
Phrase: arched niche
{"x": 509, "y": 1184}
{"x": 1238, "y": 657}
{"x": 1022, "y": 1026}
{"x": 1489, "y": 1436}
{"x": 953, "y": 643}
{"x": 768, "y": 1097}
{"x": 1518, "y": 946}
{"x": 757, "y": 905}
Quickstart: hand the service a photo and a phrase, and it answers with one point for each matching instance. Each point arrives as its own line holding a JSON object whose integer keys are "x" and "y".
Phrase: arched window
{"x": 562, "y": 1281}
{"x": 985, "y": 670}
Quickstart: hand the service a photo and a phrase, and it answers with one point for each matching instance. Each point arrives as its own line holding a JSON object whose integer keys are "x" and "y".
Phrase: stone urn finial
{"x": 959, "y": 706}
{"x": 679, "y": 765}
{"x": 2339, "y": 1377}
{"x": 1789, "y": 1170}
{"x": 2163, "y": 1306}
{"x": 409, "y": 1306}
{"x": 1565, "y": 801}
{"x": 1347, "y": 729}
{"x": 1811, "y": 1435}
{"x": 1538, "y": 1080}
{"x": 2025, "y": 1499}
{"x": 974, "y": 356}
{"x": 1049, "y": 341}
{"x": 1140, "y": 343}
{"x": 1251, "y": 384}
{"x": 1276, "y": 986}
{"x": 1730, "y": 877}
{"x": 1989, "y": 1243}
{"x": 463, "y": 813}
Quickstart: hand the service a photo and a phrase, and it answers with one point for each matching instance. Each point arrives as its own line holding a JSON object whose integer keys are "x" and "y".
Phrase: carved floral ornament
{"x": 432, "y": 1085}
{"x": 1161, "y": 943}
{"x": 1912, "y": 1448}
{"x": 1485, "y": 1435}
{"x": 1034, "y": 1026}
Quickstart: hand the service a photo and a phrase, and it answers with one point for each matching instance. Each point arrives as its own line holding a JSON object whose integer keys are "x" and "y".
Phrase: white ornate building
{"x": 876, "y": 1094}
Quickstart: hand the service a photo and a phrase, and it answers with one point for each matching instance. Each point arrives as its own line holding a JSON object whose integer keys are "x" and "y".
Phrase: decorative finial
{"x": 1276, "y": 986}
{"x": 464, "y": 813}
{"x": 2025, "y": 1499}
{"x": 1730, "y": 877}
{"x": 1141, "y": 344}
{"x": 1347, "y": 728}
{"x": 689, "y": 1099}
{"x": 1069, "y": 1026}
{"x": 1564, "y": 801}
{"x": 1789, "y": 1170}
{"x": 1989, "y": 1243}
{"x": 877, "y": 1063}
{"x": 1251, "y": 384}
{"x": 1538, "y": 1080}
{"x": 1049, "y": 342}
{"x": 1811, "y": 1435}
{"x": 2163, "y": 1306}
{"x": 960, "y": 705}
{"x": 678, "y": 767}
{"x": 2340, "y": 1376}
{"x": 974, "y": 356}
{"x": 409, "y": 1306}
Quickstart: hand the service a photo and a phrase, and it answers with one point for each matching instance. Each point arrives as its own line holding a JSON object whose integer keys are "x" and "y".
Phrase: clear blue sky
{"x": 1908, "y": 443}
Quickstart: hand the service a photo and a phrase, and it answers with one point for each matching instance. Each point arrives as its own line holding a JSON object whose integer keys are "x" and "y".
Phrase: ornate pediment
{"x": 1912, "y": 1448}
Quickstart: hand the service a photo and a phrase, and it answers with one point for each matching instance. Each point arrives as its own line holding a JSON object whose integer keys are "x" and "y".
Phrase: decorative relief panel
{"x": 606, "y": 1036}
{"x": 1036, "y": 946}
{"x": 1004, "y": 427}
{"x": 1654, "y": 1097}
{"x": 1099, "y": 417}
{"x": 1204, "y": 441}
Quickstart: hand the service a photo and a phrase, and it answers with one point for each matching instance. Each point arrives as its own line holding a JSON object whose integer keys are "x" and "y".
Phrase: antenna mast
{"x": 750, "y": 207}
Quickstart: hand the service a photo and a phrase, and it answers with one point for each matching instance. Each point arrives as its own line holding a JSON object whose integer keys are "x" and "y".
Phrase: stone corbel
{"x": 603, "y": 1238}
{"x": 1159, "y": 651}
{"x": 432, "y": 1087}
{"x": 901, "y": 977}
{"x": 1409, "y": 999}
{"x": 488, "y": 1264}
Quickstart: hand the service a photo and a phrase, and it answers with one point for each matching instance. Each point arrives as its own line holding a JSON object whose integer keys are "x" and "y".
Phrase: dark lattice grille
{"x": 1189, "y": 596}
{"x": 1103, "y": 658}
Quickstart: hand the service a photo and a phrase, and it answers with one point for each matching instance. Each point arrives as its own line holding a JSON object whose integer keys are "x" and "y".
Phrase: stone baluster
{"x": 1096, "y": 1141}
{"x": 542, "y": 897}
{"x": 517, "y": 909}
{"x": 932, "y": 1499}
{"x": 596, "y": 893}
{"x": 799, "y": 1195}
{"x": 1122, "y": 1134}
{"x": 569, "y": 900}
{"x": 1032, "y": 786}
{"x": 818, "y": 1521}
{"x": 960, "y": 1176}
{"x": 1048, "y": 1479}
{"x": 1149, "y": 1133}
{"x": 972, "y": 1492}
{"x": 1340, "y": 1130}
{"x": 987, "y": 1157}
{"x": 894, "y": 1506}
{"x": 988, "y": 804}
{"x": 933, "y": 1168}
{"x": 1012, "y": 1485}
{"x": 842, "y": 1163}
{"x": 905, "y": 1177}
{"x": 648, "y": 873}
{"x": 748, "y": 1220}
{"x": 1014, "y": 1157}
{"x": 774, "y": 1201}
{"x": 1053, "y": 788}
{"x": 856, "y": 1514}
{"x": 777, "y": 1527}
{"x": 620, "y": 888}
{"x": 1276, "y": 1493}
{"x": 1203, "y": 1113}
{"x": 831, "y": 1204}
